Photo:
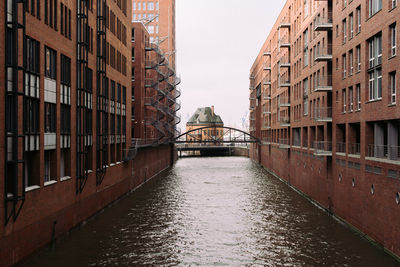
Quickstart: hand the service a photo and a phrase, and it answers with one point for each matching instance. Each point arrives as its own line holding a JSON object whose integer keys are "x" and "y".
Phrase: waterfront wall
{"x": 374, "y": 213}
{"x": 51, "y": 212}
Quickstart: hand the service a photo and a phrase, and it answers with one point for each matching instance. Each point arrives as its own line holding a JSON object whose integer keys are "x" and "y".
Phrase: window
{"x": 351, "y": 25}
{"x": 358, "y": 49}
{"x": 133, "y": 5}
{"x": 344, "y": 100}
{"x": 157, "y": 5}
{"x": 344, "y": 65}
{"x": 358, "y": 10}
{"x": 358, "y": 92}
{"x": 150, "y": 6}
{"x": 375, "y": 51}
{"x": 351, "y": 100}
{"x": 133, "y": 34}
{"x": 150, "y": 29}
{"x": 374, "y": 6}
{"x": 392, "y": 31}
{"x": 344, "y": 29}
{"x": 394, "y": 3}
{"x": 139, "y": 5}
{"x": 49, "y": 117}
{"x": 392, "y": 87}
{"x": 50, "y": 62}
{"x": 306, "y": 11}
{"x": 351, "y": 67}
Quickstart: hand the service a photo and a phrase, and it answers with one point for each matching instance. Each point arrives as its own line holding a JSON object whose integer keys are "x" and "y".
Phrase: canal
{"x": 212, "y": 212}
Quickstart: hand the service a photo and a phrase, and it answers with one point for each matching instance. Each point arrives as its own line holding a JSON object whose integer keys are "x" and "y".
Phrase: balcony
{"x": 323, "y": 54}
{"x": 340, "y": 147}
{"x": 267, "y": 67}
{"x": 285, "y": 23}
{"x": 284, "y": 62}
{"x": 323, "y": 148}
{"x": 384, "y": 152}
{"x": 284, "y": 143}
{"x": 284, "y": 121}
{"x": 251, "y": 87}
{"x": 267, "y": 81}
{"x": 324, "y": 23}
{"x": 266, "y": 110}
{"x": 355, "y": 149}
{"x": 284, "y": 82}
{"x": 323, "y": 114}
{"x": 323, "y": 84}
{"x": 267, "y": 96}
{"x": 284, "y": 42}
{"x": 284, "y": 101}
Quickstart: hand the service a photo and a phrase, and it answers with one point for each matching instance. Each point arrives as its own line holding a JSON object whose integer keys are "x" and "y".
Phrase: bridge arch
{"x": 246, "y": 137}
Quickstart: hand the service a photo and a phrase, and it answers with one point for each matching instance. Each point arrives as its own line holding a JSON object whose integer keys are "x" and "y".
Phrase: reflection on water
{"x": 213, "y": 212}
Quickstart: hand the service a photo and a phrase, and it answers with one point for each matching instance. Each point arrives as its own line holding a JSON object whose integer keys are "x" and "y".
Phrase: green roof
{"x": 205, "y": 116}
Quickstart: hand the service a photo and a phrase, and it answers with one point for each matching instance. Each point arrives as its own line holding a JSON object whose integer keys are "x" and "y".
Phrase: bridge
{"x": 209, "y": 141}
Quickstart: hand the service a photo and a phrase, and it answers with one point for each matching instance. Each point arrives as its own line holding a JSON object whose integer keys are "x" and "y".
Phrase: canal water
{"x": 213, "y": 212}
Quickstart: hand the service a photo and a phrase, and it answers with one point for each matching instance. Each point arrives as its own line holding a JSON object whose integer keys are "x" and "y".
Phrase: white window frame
{"x": 358, "y": 19}
{"x": 344, "y": 95}
{"x": 358, "y": 92}
{"x": 351, "y": 63}
{"x": 351, "y": 99}
{"x": 393, "y": 40}
{"x": 358, "y": 51}
{"x": 351, "y": 22}
{"x": 392, "y": 81}
{"x": 344, "y": 66}
{"x": 344, "y": 28}
{"x": 394, "y": 3}
{"x": 371, "y": 86}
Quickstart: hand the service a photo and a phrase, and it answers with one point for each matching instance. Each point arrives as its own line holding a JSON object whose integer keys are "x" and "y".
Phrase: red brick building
{"x": 66, "y": 107}
{"x": 323, "y": 94}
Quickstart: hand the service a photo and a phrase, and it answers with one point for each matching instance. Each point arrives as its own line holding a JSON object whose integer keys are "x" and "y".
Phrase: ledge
{"x": 65, "y": 178}
{"x": 354, "y": 156}
{"x": 50, "y": 183}
{"x": 32, "y": 188}
{"x": 388, "y": 161}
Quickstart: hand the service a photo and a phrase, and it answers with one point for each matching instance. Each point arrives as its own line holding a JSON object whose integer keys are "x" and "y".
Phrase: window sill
{"x": 50, "y": 183}
{"x": 32, "y": 188}
{"x": 373, "y": 101}
{"x": 354, "y": 156}
{"x": 392, "y": 105}
{"x": 341, "y": 154}
{"x": 392, "y": 56}
{"x": 65, "y": 178}
{"x": 373, "y": 15}
{"x": 396, "y": 162}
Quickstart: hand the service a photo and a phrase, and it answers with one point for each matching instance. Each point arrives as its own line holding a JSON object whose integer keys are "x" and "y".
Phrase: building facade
{"x": 66, "y": 150}
{"x": 207, "y": 119}
{"x": 323, "y": 94}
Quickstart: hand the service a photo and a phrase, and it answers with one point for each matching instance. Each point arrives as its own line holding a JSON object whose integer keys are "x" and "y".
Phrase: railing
{"x": 340, "y": 147}
{"x": 149, "y": 64}
{"x": 323, "y": 148}
{"x": 284, "y": 101}
{"x": 323, "y": 114}
{"x": 324, "y": 22}
{"x": 284, "y": 81}
{"x": 355, "y": 149}
{"x": 284, "y": 61}
{"x": 284, "y": 121}
{"x": 323, "y": 83}
{"x": 267, "y": 66}
{"x": 266, "y": 109}
{"x": 323, "y": 53}
{"x": 284, "y": 41}
{"x": 384, "y": 152}
{"x": 267, "y": 80}
{"x": 138, "y": 142}
{"x": 284, "y": 143}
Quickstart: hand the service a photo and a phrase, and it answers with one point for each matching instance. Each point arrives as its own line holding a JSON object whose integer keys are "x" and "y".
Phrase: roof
{"x": 205, "y": 116}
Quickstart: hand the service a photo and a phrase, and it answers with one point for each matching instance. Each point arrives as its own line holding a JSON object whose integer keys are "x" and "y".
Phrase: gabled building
{"x": 205, "y": 118}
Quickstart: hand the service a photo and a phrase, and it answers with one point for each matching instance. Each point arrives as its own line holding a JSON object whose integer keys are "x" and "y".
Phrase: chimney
{"x": 212, "y": 111}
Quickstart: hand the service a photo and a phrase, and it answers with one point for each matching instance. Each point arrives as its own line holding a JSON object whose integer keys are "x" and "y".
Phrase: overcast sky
{"x": 217, "y": 42}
